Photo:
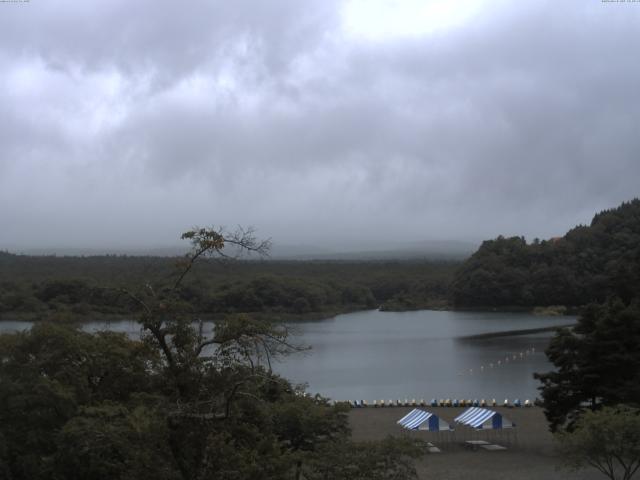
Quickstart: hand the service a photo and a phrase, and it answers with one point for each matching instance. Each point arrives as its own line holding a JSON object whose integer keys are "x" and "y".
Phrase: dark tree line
{"x": 589, "y": 264}
{"x": 74, "y": 287}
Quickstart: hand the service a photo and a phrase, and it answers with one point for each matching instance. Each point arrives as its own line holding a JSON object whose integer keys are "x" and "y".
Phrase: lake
{"x": 389, "y": 355}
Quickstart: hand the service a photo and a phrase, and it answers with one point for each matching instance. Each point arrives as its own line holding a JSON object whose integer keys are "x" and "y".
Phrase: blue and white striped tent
{"x": 418, "y": 419}
{"x": 483, "y": 419}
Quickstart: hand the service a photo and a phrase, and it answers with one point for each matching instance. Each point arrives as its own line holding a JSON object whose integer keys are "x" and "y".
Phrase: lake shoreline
{"x": 286, "y": 317}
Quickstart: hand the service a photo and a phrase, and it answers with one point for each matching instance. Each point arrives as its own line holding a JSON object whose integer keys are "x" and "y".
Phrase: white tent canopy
{"x": 418, "y": 419}
{"x": 483, "y": 419}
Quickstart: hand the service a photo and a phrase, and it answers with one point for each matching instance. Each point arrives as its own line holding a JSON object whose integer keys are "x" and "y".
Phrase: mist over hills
{"x": 429, "y": 249}
{"x": 432, "y": 249}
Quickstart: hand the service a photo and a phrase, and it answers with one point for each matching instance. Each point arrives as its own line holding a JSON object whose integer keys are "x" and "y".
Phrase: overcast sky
{"x": 318, "y": 122}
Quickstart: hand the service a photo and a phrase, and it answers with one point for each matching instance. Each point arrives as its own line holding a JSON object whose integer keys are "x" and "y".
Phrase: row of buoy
{"x": 437, "y": 403}
{"x": 505, "y": 361}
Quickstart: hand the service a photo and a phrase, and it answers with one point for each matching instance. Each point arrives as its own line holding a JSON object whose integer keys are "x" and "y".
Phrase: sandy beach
{"x": 529, "y": 455}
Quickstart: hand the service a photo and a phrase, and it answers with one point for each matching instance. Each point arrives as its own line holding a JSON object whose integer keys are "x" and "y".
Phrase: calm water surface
{"x": 375, "y": 355}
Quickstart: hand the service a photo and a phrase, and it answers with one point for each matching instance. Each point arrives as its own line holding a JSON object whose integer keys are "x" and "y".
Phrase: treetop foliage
{"x": 607, "y": 439}
{"x": 182, "y": 404}
{"x": 596, "y": 364}
{"x": 589, "y": 264}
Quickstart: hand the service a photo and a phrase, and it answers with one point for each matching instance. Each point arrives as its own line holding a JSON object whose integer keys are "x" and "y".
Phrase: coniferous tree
{"x": 598, "y": 363}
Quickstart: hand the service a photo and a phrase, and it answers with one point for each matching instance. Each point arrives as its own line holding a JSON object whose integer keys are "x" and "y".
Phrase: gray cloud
{"x": 124, "y": 123}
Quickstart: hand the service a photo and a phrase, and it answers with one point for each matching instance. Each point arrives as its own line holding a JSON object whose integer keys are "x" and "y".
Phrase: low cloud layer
{"x": 124, "y": 123}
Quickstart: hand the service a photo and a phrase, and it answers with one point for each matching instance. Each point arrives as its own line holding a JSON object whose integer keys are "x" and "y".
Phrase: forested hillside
{"x": 82, "y": 287}
{"x": 181, "y": 404}
{"x": 588, "y": 264}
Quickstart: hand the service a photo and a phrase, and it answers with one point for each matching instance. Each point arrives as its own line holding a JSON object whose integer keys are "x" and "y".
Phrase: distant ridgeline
{"x": 588, "y": 264}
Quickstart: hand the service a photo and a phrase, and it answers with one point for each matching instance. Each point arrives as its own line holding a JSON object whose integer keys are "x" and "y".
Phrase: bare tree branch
{"x": 212, "y": 241}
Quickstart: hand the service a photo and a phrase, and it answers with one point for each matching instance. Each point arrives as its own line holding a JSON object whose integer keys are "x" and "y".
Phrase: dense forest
{"x": 589, "y": 264}
{"x": 58, "y": 288}
{"x": 179, "y": 404}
